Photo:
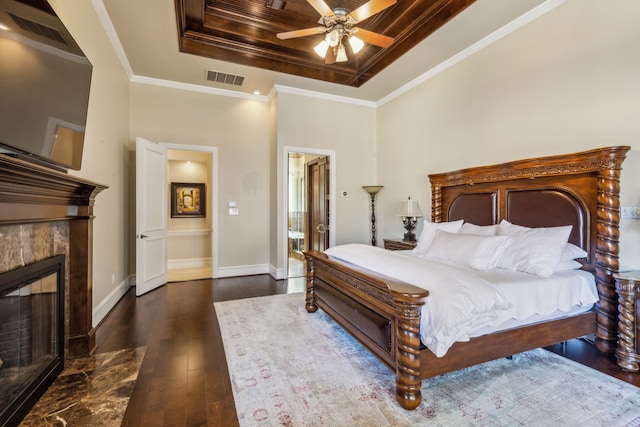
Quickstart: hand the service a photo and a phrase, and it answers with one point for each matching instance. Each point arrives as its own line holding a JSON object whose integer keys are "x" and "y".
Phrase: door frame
{"x": 214, "y": 183}
{"x": 283, "y": 235}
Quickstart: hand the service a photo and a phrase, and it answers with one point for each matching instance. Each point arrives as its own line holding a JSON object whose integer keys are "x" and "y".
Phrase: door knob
{"x": 143, "y": 236}
{"x": 321, "y": 228}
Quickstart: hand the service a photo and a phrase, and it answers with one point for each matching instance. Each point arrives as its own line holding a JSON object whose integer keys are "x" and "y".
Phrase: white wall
{"x": 566, "y": 82}
{"x": 105, "y": 158}
{"x": 350, "y": 131}
{"x": 240, "y": 130}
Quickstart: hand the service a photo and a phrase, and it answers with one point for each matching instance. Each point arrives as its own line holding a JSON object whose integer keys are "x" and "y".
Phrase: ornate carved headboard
{"x": 580, "y": 189}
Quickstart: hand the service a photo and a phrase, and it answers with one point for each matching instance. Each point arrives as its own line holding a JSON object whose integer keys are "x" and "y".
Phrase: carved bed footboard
{"x": 382, "y": 312}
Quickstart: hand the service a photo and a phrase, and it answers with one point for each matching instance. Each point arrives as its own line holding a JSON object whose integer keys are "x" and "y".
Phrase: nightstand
{"x": 628, "y": 289}
{"x": 399, "y": 244}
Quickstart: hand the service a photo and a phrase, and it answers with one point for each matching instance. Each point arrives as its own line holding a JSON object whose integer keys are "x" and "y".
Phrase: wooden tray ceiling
{"x": 244, "y": 32}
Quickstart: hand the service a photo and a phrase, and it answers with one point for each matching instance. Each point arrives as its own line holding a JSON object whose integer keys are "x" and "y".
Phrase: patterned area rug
{"x": 91, "y": 391}
{"x": 292, "y": 368}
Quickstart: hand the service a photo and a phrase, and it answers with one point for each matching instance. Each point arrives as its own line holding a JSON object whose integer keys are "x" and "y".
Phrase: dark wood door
{"x": 318, "y": 203}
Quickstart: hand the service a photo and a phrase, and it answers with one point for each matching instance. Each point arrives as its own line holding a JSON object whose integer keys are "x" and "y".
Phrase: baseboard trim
{"x": 243, "y": 270}
{"x": 101, "y": 311}
{"x": 276, "y": 273}
{"x": 176, "y": 264}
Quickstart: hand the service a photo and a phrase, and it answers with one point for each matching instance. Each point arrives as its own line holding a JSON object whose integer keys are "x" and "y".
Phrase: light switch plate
{"x": 630, "y": 212}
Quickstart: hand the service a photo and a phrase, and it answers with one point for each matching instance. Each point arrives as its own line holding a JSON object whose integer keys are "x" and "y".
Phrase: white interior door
{"x": 151, "y": 216}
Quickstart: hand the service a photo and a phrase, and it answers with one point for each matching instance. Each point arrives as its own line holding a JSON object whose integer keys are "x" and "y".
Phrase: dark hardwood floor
{"x": 183, "y": 380}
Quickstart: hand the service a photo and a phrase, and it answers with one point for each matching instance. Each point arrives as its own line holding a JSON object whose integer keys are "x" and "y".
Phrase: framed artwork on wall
{"x": 188, "y": 200}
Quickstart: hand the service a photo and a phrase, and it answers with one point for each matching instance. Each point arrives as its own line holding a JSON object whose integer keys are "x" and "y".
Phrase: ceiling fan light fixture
{"x": 338, "y": 24}
{"x": 333, "y": 38}
{"x": 321, "y": 48}
{"x": 341, "y": 55}
{"x": 356, "y": 44}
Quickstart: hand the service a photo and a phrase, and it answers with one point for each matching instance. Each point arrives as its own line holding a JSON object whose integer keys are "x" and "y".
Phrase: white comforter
{"x": 463, "y": 300}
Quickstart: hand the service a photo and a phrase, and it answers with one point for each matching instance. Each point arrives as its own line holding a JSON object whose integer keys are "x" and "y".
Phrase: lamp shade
{"x": 321, "y": 48}
{"x": 333, "y": 38}
{"x": 372, "y": 189}
{"x": 409, "y": 209}
{"x": 341, "y": 55}
{"x": 356, "y": 44}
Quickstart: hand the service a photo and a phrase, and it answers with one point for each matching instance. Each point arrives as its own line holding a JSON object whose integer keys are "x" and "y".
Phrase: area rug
{"x": 90, "y": 391}
{"x": 292, "y": 368}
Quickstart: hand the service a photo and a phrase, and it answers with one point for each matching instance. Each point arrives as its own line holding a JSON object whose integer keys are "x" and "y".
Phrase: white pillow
{"x": 469, "y": 250}
{"x": 571, "y": 252}
{"x": 533, "y": 250}
{"x": 568, "y": 265}
{"x": 429, "y": 231}
{"x": 481, "y": 230}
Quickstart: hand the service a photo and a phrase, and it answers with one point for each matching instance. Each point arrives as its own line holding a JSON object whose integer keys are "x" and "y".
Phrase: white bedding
{"x": 463, "y": 302}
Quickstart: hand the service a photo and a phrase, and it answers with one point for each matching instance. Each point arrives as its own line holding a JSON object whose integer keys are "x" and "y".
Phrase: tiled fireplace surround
{"x": 43, "y": 213}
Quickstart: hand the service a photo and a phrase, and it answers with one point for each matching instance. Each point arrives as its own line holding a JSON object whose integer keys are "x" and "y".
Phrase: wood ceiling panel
{"x": 244, "y": 32}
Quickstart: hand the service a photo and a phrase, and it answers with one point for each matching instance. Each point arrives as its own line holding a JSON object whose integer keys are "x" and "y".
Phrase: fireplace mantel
{"x": 33, "y": 195}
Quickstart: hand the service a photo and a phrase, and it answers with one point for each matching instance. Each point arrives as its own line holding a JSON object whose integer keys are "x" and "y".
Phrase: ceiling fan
{"x": 340, "y": 23}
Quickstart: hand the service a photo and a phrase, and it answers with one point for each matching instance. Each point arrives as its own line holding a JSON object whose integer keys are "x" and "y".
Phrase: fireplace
{"x": 44, "y": 215}
{"x": 31, "y": 334}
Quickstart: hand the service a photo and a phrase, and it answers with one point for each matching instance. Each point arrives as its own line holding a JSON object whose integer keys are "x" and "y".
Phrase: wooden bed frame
{"x": 580, "y": 189}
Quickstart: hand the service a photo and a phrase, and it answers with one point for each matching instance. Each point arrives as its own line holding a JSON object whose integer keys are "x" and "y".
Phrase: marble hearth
{"x": 91, "y": 391}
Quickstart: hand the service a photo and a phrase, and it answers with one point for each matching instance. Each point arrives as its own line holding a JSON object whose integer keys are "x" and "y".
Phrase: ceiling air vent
{"x": 39, "y": 29}
{"x": 230, "y": 79}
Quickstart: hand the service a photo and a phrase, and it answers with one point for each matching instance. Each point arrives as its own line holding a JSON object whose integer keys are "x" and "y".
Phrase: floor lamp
{"x": 373, "y": 190}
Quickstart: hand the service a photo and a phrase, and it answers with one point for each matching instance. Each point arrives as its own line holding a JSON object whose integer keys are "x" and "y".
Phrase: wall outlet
{"x": 630, "y": 212}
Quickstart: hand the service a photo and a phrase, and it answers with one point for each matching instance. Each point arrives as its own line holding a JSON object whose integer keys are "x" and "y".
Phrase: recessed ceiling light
{"x": 256, "y": 92}
{"x": 276, "y": 4}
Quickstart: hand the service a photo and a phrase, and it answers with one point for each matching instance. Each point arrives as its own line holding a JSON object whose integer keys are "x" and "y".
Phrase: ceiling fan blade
{"x": 370, "y": 8}
{"x": 321, "y": 7}
{"x": 330, "y": 56}
{"x": 301, "y": 33}
{"x": 374, "y": 38}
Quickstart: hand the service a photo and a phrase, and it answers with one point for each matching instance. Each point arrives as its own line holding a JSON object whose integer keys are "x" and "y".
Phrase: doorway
{"x": 296, "y": 215}
{"x": 189, "y": 248}
{"x": 309, "y": 202}
{"x": 153, "y": 214}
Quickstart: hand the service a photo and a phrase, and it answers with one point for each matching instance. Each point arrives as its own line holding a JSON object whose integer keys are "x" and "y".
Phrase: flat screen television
{"x": 44, "y": 86}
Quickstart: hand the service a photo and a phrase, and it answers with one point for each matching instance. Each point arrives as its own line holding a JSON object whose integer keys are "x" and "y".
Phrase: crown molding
{"x": 105, "y": 20}
{"x": 325, "y": 96}
{"x": 197, "y": 88}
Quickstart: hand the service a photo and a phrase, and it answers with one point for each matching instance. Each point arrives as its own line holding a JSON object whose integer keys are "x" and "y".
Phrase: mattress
{"x": 464, "y": 303}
